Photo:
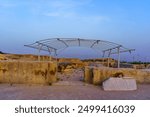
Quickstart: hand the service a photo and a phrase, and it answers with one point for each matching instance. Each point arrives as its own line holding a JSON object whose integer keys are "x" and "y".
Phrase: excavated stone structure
{"x": 28, "y": 72}
{"x": 96, "y": 75}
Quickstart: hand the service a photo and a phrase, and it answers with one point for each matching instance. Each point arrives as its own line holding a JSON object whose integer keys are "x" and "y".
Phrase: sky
{"x": 126, "y": 22}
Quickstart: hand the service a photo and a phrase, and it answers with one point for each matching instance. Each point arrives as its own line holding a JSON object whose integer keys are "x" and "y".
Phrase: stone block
{"x": 119, "y": 84}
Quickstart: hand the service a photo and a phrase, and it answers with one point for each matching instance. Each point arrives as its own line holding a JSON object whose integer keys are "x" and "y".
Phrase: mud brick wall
{"x": 27, "y": 72}
{"x": 97, "y": 75}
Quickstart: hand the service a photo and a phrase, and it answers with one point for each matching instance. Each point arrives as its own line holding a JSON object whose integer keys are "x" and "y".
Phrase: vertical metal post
{"x": 39, "y": 49}
{"x": 79, "y": 41}
{"x": 56, "y": 62}
{"x": 56, "y": 55}
{"x": 50, "y": 58}
{"x": 108, "y": 58}
{"x": 118, "y": 57}
{"x": 103, "y": 57}
{"x": 108, "y": 62}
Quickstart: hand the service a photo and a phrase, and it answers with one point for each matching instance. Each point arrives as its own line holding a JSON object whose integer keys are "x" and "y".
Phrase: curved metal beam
{"x": 48, "y": 43}
{"x": 63, "y": 42}
{"x": 96, "y": 42}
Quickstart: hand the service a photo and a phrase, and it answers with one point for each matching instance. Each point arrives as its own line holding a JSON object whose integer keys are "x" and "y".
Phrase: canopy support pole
{"x": 108, "y": 58}
{"x": 39, "y": 50}
{"x": 118, "y": 57}
{"x": 103, "y": 57}
{"x": 50, "y": 58}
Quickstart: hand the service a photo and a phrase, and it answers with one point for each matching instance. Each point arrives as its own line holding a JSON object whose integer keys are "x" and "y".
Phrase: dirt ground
{"x": 70, "y": 87}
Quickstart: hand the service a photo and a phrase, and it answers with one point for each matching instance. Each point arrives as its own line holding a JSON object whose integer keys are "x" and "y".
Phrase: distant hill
{"x": 1, "y": 52}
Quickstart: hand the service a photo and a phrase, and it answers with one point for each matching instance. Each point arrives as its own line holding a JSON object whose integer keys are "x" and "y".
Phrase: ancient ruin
{"x": 41, "y": 69}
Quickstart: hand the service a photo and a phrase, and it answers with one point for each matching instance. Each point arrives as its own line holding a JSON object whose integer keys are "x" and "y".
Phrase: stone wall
{"x": 26, "y": 57}
{"x": 2, "y": 57}
{"x": 72, "y": 60}
{"x": 98, "y": 75}
{"x": 88, "y": 75}
{"x": 68, "y": 64}
{"x": 27, "y": 72}
{"x": 102, "y": 61}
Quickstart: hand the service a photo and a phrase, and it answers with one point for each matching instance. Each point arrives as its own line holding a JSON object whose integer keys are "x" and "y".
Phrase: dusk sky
{"x": 126, "y": 22}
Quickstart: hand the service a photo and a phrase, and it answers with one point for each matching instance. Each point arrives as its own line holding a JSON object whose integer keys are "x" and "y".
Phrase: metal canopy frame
{"x": 53, "y": 45}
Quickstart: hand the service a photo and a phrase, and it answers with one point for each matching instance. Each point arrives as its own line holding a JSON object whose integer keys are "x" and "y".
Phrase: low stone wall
{"x": 25, "y": 57}
{"x": 27, "y": 72}
{"x": 98, "y": 75}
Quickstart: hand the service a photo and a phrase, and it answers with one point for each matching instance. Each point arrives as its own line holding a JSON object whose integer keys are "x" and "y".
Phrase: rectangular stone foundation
{"x": 27, "y": 72}
{"x": 119, "y": 84}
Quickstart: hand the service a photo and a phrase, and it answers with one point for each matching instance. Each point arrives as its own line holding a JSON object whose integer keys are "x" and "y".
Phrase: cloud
{"x": 60, "y": 14}
{"x": 52, "y": 14}
{"x": 77, "y": 16}
{"x": 70, "y": 9}
{"x": 96, "y": 18}
{"x": 61, "y": 5}
{"x": 67, "y": 4}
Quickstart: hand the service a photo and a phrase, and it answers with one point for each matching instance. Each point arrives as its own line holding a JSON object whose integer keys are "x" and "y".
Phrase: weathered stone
{"x": 88, "y": 75}
{"x": 3, "y": 57}
{"x": 102, "y": 73}
{"x": 27, "y": 72}
{"x": 27, "y": 57}
{"x": 119, "y": 84}
{"x": 97, "y": 76}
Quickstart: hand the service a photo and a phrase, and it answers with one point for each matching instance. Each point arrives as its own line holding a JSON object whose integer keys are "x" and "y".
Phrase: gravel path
{"x": 70, "y": 92}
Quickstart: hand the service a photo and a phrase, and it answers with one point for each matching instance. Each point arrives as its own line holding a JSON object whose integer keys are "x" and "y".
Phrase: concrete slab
{"x": 120, "y": 84}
